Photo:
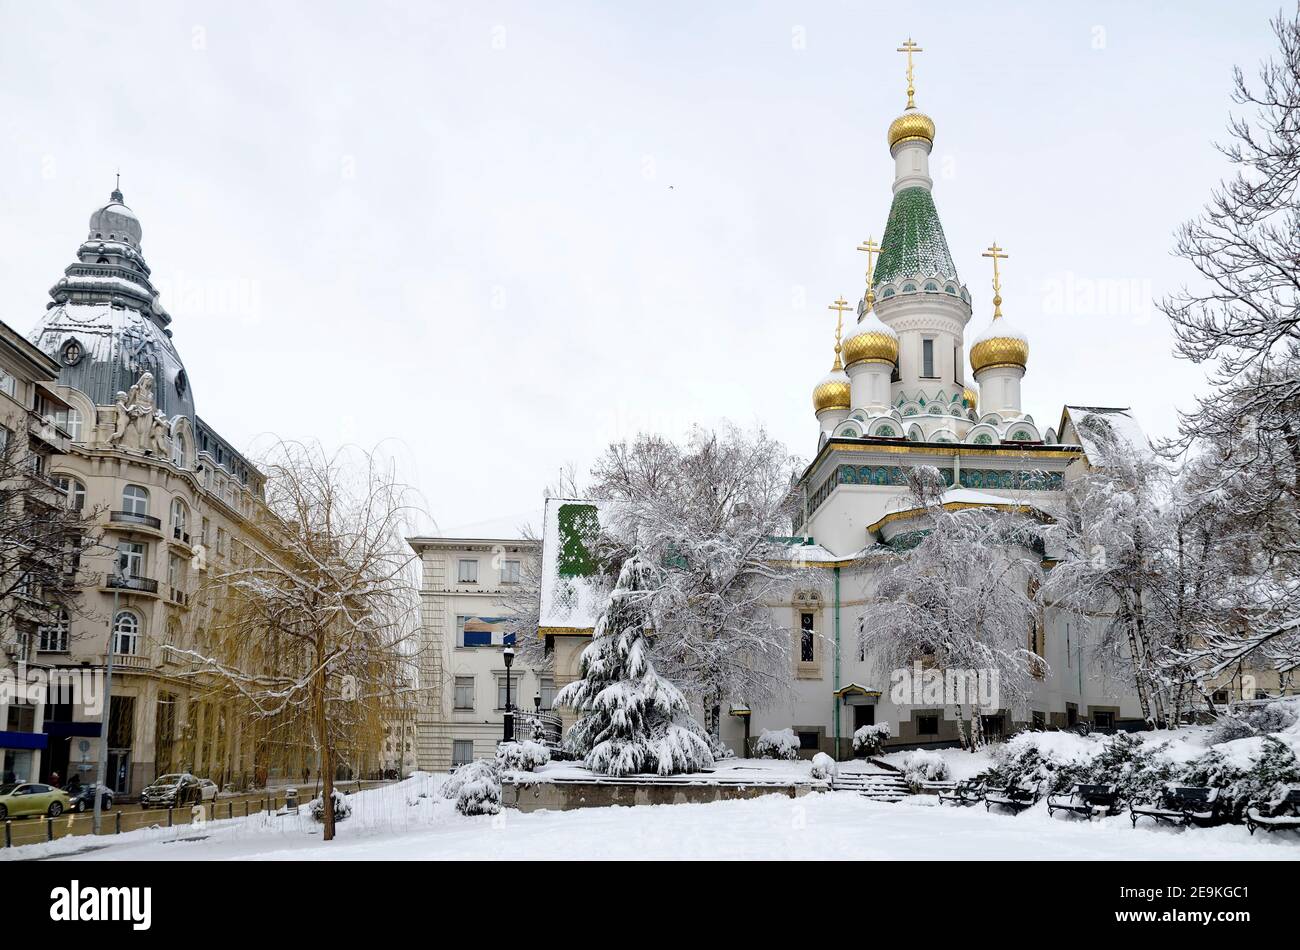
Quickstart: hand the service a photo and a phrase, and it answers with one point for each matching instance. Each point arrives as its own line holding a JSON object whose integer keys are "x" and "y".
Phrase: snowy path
{"x": 819, "y": 826}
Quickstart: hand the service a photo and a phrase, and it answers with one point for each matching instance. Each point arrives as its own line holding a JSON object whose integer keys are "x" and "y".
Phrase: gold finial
{"x": 839, "y": 306}
{"x": 995, "y": 252}
{"x": 871, "y": 248}
{"x": 909, "y": 48}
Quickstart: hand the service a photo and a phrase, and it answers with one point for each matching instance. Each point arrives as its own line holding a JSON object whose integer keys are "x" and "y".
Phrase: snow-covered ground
{"x": 396, "y": 823}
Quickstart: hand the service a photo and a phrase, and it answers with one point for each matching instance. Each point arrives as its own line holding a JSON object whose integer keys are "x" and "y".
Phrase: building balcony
{"x": 180, "y": 536}
{"x": 131, "y": 661}
{"x": 133, "y": 584}
{"x": 178, "y": 596}
{"x": 46, "y": 432}
{"x": 131, "y": 523}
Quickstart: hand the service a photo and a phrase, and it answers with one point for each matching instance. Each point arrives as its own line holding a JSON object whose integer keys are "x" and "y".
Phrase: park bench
{"x": 1181, "y": 805}
{"x": 1017, "y": 796}
{"x": 969, "y": 792}
{"x": 1281, "y": 813}
{"x": 1086, "y": 800}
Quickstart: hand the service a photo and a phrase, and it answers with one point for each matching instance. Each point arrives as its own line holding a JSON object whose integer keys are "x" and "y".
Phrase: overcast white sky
{"x": 504, "y": 234}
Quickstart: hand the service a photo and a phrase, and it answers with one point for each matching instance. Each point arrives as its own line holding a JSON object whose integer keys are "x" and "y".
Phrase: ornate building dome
{"x": 912, "y": 125}
{"x": 970, "y": 397}
{"x": 999, "y": 345}
{"x": 871, "y": 341}
{"x": 105, "y": 324}
{"x": 832, "y": 392}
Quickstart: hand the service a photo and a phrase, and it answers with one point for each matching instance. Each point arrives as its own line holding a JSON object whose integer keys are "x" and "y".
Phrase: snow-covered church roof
{"x": 1081, "y": 424}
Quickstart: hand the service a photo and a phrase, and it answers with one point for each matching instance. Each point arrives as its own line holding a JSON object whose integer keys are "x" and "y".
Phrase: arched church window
{"x": 909, "y": 287}
{"x": 1020, "y": 435}
{"x": 886, "y": 432}
{"x": 983, "y": 439}
{"x": 931, "y": 286}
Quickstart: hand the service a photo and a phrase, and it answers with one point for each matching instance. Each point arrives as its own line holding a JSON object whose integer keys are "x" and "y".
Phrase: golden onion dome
{"x": 1000, "y": 345}
{"x": 970, "y": 398}
{"x": 871, "y": 341}
{"x": 832, "y": 392}
{"x": 911, "y": 126}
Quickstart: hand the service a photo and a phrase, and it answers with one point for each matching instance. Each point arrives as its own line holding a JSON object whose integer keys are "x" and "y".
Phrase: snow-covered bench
{"x": 1086, "y": 800}
{"x": 1181, "y": 805}
{"x": 1279, "y": 814}
{"x": 969, "y": 792}
{"x": 1017, "y": 796}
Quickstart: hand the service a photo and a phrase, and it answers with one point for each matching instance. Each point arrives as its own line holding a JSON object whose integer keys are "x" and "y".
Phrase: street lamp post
{"x": 509, "y": 734}
{"x": 104, "y": 715}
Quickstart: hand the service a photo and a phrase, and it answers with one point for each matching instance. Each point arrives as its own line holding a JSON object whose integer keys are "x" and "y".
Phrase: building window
{"x": 126, "y": 633}
{"x": 8, "y": 385}
{"x": 1103, "y": 719}
{"x": 515, "y": 683}
{"x": 180, "y": 451}
{"x": 53, "y": 637}
{"x": 135, "y": 500}
{"x": 1038, "y": 719}
{"x": 221, "y": 542}
{"x": 130, "y": 558}
{"x": 510, "y": 572}
{"x": 464, "y": 692}
{"x": 180, "y": 520}
{"x": 462, "y": 751}
{"x": 809, "y": 741}
{"x": 468, "y": 572}
{"x": 69, "y": 420}
{"x": 547, "y": 689}
{"x": 927, "y": 357}
{"x": 807, "y": 638}
{"x": 175, "y": 574}
{"x": 74, "y": 490}
{"x": 927, "y": 725}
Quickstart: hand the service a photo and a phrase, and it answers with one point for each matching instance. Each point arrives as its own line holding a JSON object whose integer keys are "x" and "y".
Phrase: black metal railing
{"x": 145, "y": 585}
{"x": 130, "y": 517}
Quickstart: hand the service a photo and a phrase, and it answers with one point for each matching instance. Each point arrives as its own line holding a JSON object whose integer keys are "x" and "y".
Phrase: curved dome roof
{"x": 106, "y": 325}
{"x": 115, "y": 222}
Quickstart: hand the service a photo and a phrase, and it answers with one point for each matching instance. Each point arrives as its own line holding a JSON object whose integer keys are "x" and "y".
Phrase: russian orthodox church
{"x": 898, "y": 396}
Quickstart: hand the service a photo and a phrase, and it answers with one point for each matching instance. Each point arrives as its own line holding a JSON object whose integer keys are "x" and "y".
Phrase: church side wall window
{"x": 807, "y": 638}
{"x": 927, "y": 357}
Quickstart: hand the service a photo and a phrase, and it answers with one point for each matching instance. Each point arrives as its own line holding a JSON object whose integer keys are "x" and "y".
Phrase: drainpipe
{"x": 837, "y": 662}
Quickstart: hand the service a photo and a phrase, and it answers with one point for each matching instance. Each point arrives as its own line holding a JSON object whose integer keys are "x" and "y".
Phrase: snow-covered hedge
{"x": 924, "y": 766}
{"x": 777, "y": 744}
{"x": 824, "y": 767}
{"x": 525, "y": 756}
{"x": 1255, "y": 721}
{"x": 870, "y": 740}
{"x": 341, "y": 807}
{"x": 476, "y": 788}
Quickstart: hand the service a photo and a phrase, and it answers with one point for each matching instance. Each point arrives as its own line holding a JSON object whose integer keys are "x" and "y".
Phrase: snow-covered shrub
{"x": 1052, "y": 760}
{"x": 720, "y": 750}
{"x": 525, "y": 756}
{"x": 924, "y": 766}
{"x": 1238, "y": 784}
{"x": 1137, "y": 770}
{"x": 1255, "y": 721}
{"x": 476, "y": 788}
{"x": 870, "y": 740}
{"x": 777, "y": 744}
{"x": 824, "y": 767}
{"x": 341, "y": 807}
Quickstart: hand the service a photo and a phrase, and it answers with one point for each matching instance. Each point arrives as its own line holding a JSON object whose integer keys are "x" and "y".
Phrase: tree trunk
{"x": 326, "y": 751}
{"x": 961, "y": 730}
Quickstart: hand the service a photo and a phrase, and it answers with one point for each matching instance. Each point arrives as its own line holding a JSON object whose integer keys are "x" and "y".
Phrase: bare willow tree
{"x": 314, "y": 629}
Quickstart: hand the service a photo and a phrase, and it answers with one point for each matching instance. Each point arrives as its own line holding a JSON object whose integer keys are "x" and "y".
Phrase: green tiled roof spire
{"x": 914, "y": 245}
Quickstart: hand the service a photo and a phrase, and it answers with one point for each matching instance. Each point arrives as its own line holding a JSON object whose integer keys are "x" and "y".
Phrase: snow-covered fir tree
{"x": 632, "y": 719}
{"x": 711, "y": 511}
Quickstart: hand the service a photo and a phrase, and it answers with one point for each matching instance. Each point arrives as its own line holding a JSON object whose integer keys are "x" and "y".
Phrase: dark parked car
{"x": 83, "y": 798}
{"x": 173, "y": 789}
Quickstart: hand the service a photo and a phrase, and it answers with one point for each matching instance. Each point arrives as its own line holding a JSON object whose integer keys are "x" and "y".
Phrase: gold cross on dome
{"x": 839, "y": 306}
{"x": 909, "y": 48}
{"x": 871, "y": 249}
{"x": 996, "y": 253}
